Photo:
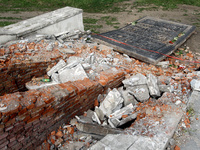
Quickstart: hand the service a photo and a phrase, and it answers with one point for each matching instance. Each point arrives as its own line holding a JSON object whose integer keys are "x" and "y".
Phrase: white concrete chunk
{"x": 140, "y": 92}
{"x": 137, "y": 79}
{"x": 195, "y": 84}
{"x": 128, "y": 98}
{"x": 64, "y": 19}
{"x": 111, "y": 103}
{"x": 57, "y": 67}
{"x": 73, "y": 74}
{"x": 152, "y": 85}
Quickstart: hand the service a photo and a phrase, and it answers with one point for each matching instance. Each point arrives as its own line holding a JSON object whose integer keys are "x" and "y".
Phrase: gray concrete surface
{"x": 64, "y": 19}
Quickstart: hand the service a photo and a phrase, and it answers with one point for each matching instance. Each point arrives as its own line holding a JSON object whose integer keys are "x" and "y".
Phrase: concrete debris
{"x": 140, "y": 92}
{"x": 163, "y": 64}
{"x": 128, "y": 98}
{"x": 152, "y": 85}
{"x": 138, "y": 79}
{"x": 97, "y": 129}
{"x": 96, "y": 118}
{"x": 99, "y": 113}
{"x": 57, "y": 67}
{"x": 195, "y": 84}
{"x": 111, "y": 103}
{"x": 73, "y": 74}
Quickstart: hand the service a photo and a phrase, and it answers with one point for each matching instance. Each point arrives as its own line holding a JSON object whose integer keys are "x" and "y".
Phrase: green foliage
{"x": 166, "y": 4}
{"x": 5, "y": 23}
{"x": 42, "y": 5}
{"x": 90, "y": 20}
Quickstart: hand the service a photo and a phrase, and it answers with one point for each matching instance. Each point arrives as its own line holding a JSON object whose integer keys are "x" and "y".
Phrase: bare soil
{"x": 184, "y": 14}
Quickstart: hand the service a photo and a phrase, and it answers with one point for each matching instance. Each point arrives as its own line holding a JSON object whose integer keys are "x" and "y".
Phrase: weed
{"x": 110, "y": 20}
{"x": 48, "y": 5}
{"x": 190, "y": 111}
{"x": 185, "y": 14}
{"x": 10, "y": 18}
{"x": 93, "y": 28}
{"x": 90, "y": 20}
{"x": 5, "y": 23}
{"x": 116, "y": 27}
{"x": 166, "y": 4}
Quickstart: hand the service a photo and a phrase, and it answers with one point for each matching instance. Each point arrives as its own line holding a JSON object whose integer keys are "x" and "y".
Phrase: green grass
{"x": 93, "y": 28}
{"x": 43, "y": 5}
{"x": 166, "y": 4}
{"x": 5, "y": 23}
{"x": 110, "y": 20}
{"x": 90, "y": 20}
{"x": 10, "y": 18}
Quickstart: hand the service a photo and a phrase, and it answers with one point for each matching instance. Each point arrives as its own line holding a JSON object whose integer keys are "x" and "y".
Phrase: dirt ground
{"x": 184, "y": 14}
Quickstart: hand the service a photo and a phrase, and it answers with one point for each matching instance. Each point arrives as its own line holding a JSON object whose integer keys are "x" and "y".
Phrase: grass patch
{"x": 93, "y": 28}
{"x": 197, "y": 24}
{"x": 10, "y": 18}
{"x": 166, "y": 4}
{"x": 110, "y": 20}
{"x": 47, "y": 5}
{"x": 90, "y": 20}
{"x": 5, "y": 23}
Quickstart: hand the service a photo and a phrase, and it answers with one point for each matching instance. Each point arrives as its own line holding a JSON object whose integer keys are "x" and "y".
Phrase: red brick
{"x": 33, "y": 119}
{"x": 12, "y": 139}
{"x": 9, "y": 128}
{"x": 22, "y": 111}
{"x": 68, "y": 86}
{"x": 3, "y": 145}
{"x": 46, "y": 97}
{"x": 10, "y": 122}
{"x": 4, "y": 135}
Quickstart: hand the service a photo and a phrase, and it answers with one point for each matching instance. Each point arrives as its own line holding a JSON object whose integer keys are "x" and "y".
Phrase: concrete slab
{"x": 193, "y": 141}
{"x": 147, "y": 38}
{"x": 64, "y": 19}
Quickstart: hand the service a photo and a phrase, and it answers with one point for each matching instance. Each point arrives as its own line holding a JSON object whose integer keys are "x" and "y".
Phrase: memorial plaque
{"x": 148, "y": 39}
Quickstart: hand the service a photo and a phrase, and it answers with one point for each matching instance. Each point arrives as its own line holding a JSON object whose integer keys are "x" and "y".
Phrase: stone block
{"x": 152, "y": 85}
{"x": 73, "y": 74}
{"x": 64, "y": 19}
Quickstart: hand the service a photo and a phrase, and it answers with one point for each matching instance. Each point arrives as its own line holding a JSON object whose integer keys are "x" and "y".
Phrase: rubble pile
{"x": 151, "y": 117}
{"x": 150, "y": 102}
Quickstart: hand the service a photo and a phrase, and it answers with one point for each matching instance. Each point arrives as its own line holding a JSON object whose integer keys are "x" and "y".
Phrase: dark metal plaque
{"x": 148, "y": 39}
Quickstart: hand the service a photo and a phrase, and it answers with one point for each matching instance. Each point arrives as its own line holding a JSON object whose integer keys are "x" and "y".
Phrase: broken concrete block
{"x": 124, "y": 111}
{"x": 137, "y": 79}
{"x": 195, "y": 84}
{"x": 113, "y": 122}
{"x": 99, "y": 113}
{"x": 152, "y": 85}
{"x": 86, "y": 66}
{"x": 96, "y": 118}
{"x": 127, "y": 119}
{"x": 115, "y": 142}
{"x": 128, "y": 98}
{"x": 73, "y": 74}
{"x": 165, "y": 88}
{"x": 57, "y": 67}
{"x": 140, "y": 92}
{"x": 112, "y": 102}
{"x": 97, "y": 129}
{"x": 55, "y": 77}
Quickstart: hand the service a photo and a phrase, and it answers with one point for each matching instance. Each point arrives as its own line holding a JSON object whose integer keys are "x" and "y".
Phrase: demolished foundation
{"x": 40, "y": 95}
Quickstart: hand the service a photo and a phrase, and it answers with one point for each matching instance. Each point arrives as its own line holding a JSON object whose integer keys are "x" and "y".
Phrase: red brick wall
{"x": 30, "y": 116}
{"x": 14, "y": 77}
